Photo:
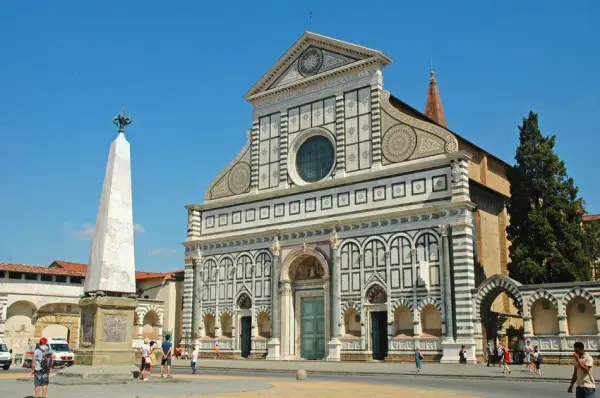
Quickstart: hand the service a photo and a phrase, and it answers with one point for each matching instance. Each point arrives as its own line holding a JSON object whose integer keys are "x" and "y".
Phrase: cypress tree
{"x": 545, "y": 213}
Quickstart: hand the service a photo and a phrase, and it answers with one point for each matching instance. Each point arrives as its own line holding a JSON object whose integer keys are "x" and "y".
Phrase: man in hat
{"x": 40, "y": 367}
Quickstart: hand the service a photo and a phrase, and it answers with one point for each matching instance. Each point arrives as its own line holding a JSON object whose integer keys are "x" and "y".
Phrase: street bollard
{"x": 301, "y": 375}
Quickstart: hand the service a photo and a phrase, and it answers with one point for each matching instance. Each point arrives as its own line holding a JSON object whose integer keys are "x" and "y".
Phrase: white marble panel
{"x": 351, "y": 131}
{"x": 305, "y": 117}
{"x": 395, "y": 274}
{"x": 317, "y": 113}
{"x": 263, "y": 152}
{"x": 293, "y": 120}
{"x": 350, "y": 104}
{"x": 364, "y": 127}
{"x": 275, "y": 124}
{"x": 352, "y": 157}
{"x": 274, "y": 148}
{"x": 264, "y": 128}
{"x": 274, "y": 175}
{"x": 364, "y": 100}
{"x": 364, "y": 149}
{"x": 263, "y": 177}
{"x": 329, "y": 110}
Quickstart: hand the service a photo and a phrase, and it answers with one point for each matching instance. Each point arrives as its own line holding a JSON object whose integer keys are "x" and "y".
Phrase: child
{"x": 418, "y": 359}
{"x": 216, "y": 350}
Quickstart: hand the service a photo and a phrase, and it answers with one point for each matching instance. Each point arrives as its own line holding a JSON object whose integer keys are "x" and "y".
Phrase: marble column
{"x": 447, "y": 284}
{"x": 562, "y": 325}
{"x": 415, "y": 283}
{"x": 527, "y": 330}
{"x": 335, "y": 344}
{"x": 273, "y": 346}
{"x": 196, "y": 293}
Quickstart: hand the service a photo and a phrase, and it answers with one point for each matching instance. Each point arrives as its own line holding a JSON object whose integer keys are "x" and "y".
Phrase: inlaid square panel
{"x": 310, "y": 205}
{"x": 294, "y": 207}
{"x": 210, "y": 221}
{"x": 418, "y": 186}
{"x": 250, "y": 215}
{"x": 264, "y": 212}
{"x": 326, "y": 202}
{"x": 399, "y": 190}
{"x": 439, "y": 183}
{"x": 223, "y": 218}
{"x": 343, "y": 199}
{"x": 379, "y": 193}
{"x": 279, "y": 210}
{"x": 360, "y": 196}
{"x": 236, "y": 217}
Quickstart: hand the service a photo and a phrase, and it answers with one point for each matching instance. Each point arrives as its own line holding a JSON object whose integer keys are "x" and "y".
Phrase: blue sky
{"x": 181, "y": 68}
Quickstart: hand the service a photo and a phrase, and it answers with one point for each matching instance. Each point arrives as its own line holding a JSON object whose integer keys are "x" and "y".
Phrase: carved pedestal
{"x": 106, "y": 331}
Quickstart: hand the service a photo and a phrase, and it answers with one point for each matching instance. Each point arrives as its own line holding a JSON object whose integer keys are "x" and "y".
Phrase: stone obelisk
{"x": 108, "y": 308}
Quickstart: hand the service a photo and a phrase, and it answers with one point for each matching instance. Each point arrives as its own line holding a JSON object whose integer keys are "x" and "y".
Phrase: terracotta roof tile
{"x": 38, "y": 270}
{"x": 141, "y": 275}
{"x": 591, "y": 217}
{"x": 71, "y": 266}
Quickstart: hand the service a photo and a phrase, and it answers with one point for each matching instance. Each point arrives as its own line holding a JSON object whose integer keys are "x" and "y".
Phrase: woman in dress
{"x": 505, "y": 361}
{"x": 150, "y": 361}
{"x": 418, "y": 359}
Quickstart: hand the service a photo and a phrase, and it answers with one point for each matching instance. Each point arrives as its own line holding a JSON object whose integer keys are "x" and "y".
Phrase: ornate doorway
{"x": 246, "y": 336}
{"x": 305, "y": 301}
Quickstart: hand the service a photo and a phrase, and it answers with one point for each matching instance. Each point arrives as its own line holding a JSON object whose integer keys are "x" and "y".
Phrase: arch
{"x": 426, "y": 239}
{"x": 263, "y": 308}
{"x": 264, "y": 324}
{"x": 141, "y": 312}
{"x": 542, "y": 293}
{"x": 492, "y": 287}
{"x": 371, "y": 239}
{"x": 351, "y": 304}
{"x": 209, "y": 321}
{"x": 351, "y": 241}
{"x": 578, "y": 292}
{"x": 429, "y": 301}
{"x": 351, "y": 322}
{"x": 150, "y": 324}
{"x": 226, "y": 322}
{"x": 581, "y": 316}
{"x": 376, "y": 293}
{"x": 402, "y": 309}
{"x": 544, "y": 315}
{"x": 208, "y": 311}
{"x": 263, "y": 251}
{"x": 431, "y": 320}
{"x": 299, "y": 254}
{"x": 402, "y": 302}
{"x": 422, "y": 232}
{"x": 243, "y": 290}
{"x": 225, "y": 311}
{"x": 56, "y": 331}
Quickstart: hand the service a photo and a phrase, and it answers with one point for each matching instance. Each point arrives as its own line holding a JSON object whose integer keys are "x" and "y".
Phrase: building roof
{"x": 591, "y": 217}
{"x": 71, "y": 266}
{"x": 38, "y": 269}
{"x": 433, "y": 106}
{"x": 76, "y": 269}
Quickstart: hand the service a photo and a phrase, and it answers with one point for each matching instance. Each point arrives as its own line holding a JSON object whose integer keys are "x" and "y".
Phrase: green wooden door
{"x": 312, "y": 329}
{"x": 379, "y": 335}
{"x": 246, "y": 325}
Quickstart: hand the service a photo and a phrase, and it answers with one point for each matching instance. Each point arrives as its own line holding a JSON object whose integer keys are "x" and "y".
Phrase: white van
{"x": 5, "y": 355}
{"x": 63, "y": 356}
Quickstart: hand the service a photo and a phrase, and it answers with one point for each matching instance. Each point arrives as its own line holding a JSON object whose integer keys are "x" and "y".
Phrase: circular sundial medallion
{"x": 239, "y": 178}
{"x": 310, "y": 61}
{"x": 398, "y": 143}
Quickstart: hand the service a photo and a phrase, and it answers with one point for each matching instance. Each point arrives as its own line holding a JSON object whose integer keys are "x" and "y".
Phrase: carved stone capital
{"x": 445, "y": 229}
{"x": 275, "y": 247}
{"x": 334, "y": 240}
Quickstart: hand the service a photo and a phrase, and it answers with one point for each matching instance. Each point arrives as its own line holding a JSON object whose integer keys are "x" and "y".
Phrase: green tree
{"x": 545, "y": 213}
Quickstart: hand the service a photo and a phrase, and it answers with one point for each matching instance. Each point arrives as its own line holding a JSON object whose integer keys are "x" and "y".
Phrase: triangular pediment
{"x": 313, "y": 55}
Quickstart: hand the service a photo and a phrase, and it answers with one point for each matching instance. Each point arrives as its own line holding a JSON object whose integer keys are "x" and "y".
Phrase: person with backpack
{"x": 40, "y": 367}
{"x": 538, "y": 360}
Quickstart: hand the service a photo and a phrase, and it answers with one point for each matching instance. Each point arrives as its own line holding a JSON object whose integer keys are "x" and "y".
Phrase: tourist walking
{"x": 145, "y": 348}
{"x": 149, "y": 361}
{"x": 490, "y": 355}
{"x": 506, "y": 361}
{"x": 194, "y": 360}
{"x": 418, "y": 359}
{"x": 528, "y": 350}
{"x": 582, "y": 373}
{"x": 167, "y": 352}
{"x": 462, "y": 355}
{"x": 216, "y": 350}
{"x": 537, "y": 361}
{"x": 41, "y": 365}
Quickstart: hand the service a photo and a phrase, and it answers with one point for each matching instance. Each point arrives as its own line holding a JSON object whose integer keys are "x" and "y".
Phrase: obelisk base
{"x": 106, "y": 331}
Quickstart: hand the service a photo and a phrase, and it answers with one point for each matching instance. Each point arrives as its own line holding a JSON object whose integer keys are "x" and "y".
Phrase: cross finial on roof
{"x": 122, "y": 121}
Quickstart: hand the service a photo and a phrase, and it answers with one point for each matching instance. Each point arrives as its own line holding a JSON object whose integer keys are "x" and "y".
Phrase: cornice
{"x": 399, "y": 168}
{"x": 359, "y": 221}
{"x": 312, "y": 80}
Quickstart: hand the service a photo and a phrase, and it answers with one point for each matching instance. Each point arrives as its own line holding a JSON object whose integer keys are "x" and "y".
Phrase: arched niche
{"x": 403, "y": 322}
{"x": 544, "y": 316}
{"x": 581, "y": 317}
{"x": 431, "y": 321}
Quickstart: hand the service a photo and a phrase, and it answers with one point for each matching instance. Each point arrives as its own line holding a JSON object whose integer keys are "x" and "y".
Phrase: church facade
{"x": 350, "y": 226}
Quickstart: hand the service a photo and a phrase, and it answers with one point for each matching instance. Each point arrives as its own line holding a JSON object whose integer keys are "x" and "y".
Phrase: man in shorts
{"x": 40, "y": 367}
{"x": 167, "y": 352}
